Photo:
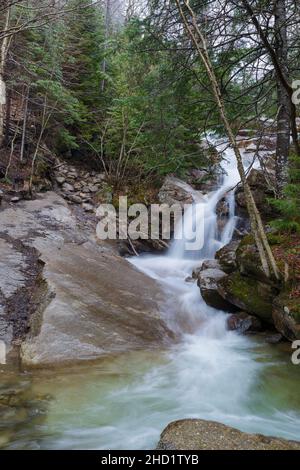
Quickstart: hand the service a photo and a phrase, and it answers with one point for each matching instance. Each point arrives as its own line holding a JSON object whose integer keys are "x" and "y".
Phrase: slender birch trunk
{"x": 107, "y": 25}
{"x": 3, "y": 54}
{"x": 284, "y": 103}
{"x": 198, "y": 39}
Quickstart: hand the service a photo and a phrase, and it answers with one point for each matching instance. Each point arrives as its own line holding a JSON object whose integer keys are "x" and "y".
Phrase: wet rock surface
{"x": 176, "y": 191}
{"x": 196, "y": 434}
{"x": 244, "y": 323}
{"x": 226, "y": 257}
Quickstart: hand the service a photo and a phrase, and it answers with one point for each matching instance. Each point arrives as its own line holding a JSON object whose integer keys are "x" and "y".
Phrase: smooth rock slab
{"x": 196, "y": 434}
{"x": 96, "y": 303}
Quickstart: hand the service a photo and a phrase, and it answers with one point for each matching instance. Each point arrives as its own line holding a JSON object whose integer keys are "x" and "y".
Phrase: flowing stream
{"x": 214, "y": 374}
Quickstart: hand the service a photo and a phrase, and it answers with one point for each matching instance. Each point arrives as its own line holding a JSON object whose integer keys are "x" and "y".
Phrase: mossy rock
{"x": 286, "y": 315}
{"x": 248, "y": 259}
{"x": 248, "y": 294}
{"x": 227, "y": 257}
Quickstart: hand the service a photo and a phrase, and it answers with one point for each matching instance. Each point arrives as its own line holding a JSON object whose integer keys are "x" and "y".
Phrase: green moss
{"x": 275, "y": 239}
{"x": 247, "y": 240}
{"x": 249, "y": 295}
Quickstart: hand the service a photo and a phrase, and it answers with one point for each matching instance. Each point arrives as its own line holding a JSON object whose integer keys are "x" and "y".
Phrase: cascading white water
{"x": 178, "y": 263}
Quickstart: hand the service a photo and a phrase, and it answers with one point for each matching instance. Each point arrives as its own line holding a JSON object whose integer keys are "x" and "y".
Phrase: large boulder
{"x": 84, "y": 301}
{"x": 248, "y": 294}
{"x": 197, "y": 434}
{"x": 176, "y": 191}
{"x": 248, "y": 260}
{"x": 208, "y": 282}
{"x": 227, "y": 256}
{"x": 261, "y": 191}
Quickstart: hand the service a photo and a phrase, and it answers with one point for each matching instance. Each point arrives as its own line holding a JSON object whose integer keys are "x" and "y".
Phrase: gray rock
{"x": 93, "y": 188}
{"x": 227, "y": 256}
{"x": 97, "y": 304}
{"x": 197, "y": 434}
{"x": 85, "y": 189}
{"x": 60, "y": 180}
{"x": 75, "y": 198}
{"x": 208, "y": 283}
{"x": 274, "y": 339}
{"x": 15, "y": 199}
{"x": 176, "y": 191}
{"x": 244, "y": 323}
{"x": 210, "y": 264}
{"x": 88, "y": 207}
{"x": 85, "y": 196}
{"x": 67, "y": 187}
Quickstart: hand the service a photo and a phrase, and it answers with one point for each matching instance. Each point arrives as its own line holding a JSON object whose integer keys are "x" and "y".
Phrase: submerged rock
{"x": 196, "y": 434}
{"x": 244, "y": 323}
{"x": 274, "y": 339}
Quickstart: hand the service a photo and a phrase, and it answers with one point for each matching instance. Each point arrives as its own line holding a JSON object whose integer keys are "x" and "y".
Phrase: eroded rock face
{"x": 196, "y": 434}
{"x": 97, "y": 303}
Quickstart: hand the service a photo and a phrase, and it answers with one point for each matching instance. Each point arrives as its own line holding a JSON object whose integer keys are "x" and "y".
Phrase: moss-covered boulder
{"x": 248, "y": 294}
{"x": 208, "y": 283}
{"x": 286, "y": 316}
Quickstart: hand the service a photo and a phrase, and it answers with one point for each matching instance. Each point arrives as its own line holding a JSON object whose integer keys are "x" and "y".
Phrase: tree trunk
{"x": 24, "y": 126}
{"x": 2, "y": 107}
{"x": 280, "y": 72}
{"x": 267, "y": 259}
{"x": 8, "y": 117}
{"x": 107, "y": 25}
{"x": 3, "y": 54}
{"x": 284, "y": 102}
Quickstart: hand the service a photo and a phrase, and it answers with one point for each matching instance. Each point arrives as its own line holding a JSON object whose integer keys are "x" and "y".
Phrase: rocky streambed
{"x": 94, "y": 358}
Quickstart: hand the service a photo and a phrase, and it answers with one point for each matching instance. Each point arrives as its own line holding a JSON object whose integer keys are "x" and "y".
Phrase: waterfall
{"x": 185, "y": 310}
